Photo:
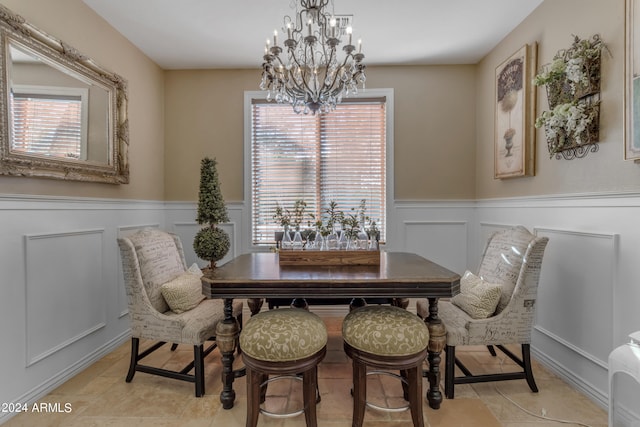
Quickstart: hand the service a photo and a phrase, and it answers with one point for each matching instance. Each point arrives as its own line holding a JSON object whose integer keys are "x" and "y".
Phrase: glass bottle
{"x": 286, "y": 239}
{"x": 374, "y": 241}
{"x": 363, "y": 240}
{"x": 343, "y": 241}
{"x": 318, "y": 242}
{"x": 331, "y": 241}
{"x": 297, "y": 243}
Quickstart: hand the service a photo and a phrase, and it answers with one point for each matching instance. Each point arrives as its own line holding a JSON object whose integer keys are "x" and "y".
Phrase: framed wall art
{"x": 514, "y": 138}
{"x": 632, "y": 82}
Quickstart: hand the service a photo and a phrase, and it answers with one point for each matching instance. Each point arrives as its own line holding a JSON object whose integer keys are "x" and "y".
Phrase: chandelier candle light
{"x": 311, "y": 78}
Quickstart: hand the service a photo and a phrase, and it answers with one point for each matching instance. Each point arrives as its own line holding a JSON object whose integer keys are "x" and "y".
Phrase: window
{"x": 49, "y": 121}
{"x": 340, "y": 156}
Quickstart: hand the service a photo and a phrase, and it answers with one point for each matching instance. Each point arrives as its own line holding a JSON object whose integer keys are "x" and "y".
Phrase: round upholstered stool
{"x": 287, "y": 341}
{"x": 386, "y": 338}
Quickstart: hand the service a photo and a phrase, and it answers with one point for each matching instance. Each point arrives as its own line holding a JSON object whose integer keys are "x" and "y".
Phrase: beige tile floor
{"x": 99, "y": 396}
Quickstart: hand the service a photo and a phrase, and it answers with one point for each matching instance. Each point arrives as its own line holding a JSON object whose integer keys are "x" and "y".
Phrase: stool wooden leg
{"x": 359, "y": 393}
{"x": 415, "y": 395}
{"x": 253, "y": 397}
{"x": 405, "y": 385}
{"x": 263, "y": 390}
{"x": 309, "y": 390}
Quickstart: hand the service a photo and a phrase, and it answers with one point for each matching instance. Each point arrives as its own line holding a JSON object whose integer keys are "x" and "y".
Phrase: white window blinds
{"x": 47, "y": 124}
{"x": 340, "y": 156}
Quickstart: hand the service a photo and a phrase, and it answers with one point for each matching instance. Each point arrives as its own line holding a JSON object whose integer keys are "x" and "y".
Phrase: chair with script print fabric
{"x": 166, "y": 303}
{"x": 495, "y": 307}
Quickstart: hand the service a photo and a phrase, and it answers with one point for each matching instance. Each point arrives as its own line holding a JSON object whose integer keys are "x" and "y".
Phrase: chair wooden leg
{"x": 309, "y": 391}
{"x": 359, "y": 393}
{"x": 526, "y": 361}
{"x": 198, "y": 365}
{"x": 492, "y": 350}
{"x": 135, "y": 344}
{"x": 449, "y": 371}
{"x": 414, "y": 378}
{"x": 254, "y": 379}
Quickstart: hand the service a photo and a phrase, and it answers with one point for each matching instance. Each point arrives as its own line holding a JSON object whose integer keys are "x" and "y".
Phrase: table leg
{"x": 227, "y": 337}
{"x": 300, "y": 303}
{"x": 400, "y": 302}
{"x": 255, "y": 305}
{"x": 357, "y": 303}
{"x": 437, "y": 341}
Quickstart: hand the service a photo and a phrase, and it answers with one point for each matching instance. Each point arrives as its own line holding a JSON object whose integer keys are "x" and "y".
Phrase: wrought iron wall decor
{"x": 572, "y": 83}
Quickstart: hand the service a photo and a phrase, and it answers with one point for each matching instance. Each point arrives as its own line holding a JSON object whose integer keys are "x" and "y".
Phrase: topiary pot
{"x": 211, "y": 244}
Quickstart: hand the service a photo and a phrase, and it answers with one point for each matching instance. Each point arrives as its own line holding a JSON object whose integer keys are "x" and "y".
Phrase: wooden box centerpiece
{"x": 330, "y": 257}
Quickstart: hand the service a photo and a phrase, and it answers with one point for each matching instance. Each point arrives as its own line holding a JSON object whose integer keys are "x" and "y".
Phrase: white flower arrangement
{"x": 574, "y": 65}
{"x": 568, "y": 123}
{"x": 576, "y": 74}
{"x": 571, "y": 80}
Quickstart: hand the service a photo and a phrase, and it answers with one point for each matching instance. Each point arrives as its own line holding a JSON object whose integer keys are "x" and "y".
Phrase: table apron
{"x": 338, "y": 293}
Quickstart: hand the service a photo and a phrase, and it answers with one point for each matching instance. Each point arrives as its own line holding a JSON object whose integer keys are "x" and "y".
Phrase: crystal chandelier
{"x": 311, "y": 78}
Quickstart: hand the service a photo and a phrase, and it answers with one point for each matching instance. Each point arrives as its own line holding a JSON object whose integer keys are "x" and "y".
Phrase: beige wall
{"x": 434, "y": 129}
{"x": 75, "y": 23}
{"x": 204, "y": 117}
{"x": 443, "y": 114}
{"x": 552, "y": 25}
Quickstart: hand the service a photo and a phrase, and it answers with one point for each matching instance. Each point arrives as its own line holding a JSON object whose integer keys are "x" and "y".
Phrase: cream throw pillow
{"x": 477, "y": 298}
{"x": 185, "y": 291}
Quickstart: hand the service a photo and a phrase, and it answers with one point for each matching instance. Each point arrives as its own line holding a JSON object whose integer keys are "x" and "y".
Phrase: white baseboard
{"x": 578, "y": 383}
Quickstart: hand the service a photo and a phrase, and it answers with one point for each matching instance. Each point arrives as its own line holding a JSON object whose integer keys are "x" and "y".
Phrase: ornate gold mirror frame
{"x": 104, "y": 122}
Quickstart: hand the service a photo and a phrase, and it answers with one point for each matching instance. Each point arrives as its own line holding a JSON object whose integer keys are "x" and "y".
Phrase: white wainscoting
{"x": 587, "y": 304}
{"x": 589, "y": 286}
{"x": 180, "y": 219}
{"x": 440, "y": 231}
{"x": 63, "y": 305}
{"x": 440, "y": 241}
{"x": 55, "y": 317}
{"x": 579, "y": 278}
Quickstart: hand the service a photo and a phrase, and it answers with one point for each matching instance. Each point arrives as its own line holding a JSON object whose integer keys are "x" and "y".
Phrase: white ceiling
{"x": 189, "y": 34}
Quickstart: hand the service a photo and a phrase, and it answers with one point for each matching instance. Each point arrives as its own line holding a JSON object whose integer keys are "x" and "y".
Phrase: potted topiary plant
{"x": 211, "y": 242}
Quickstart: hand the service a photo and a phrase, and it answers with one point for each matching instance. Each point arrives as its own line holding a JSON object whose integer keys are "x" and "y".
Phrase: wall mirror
{"x": 63, "y": 116}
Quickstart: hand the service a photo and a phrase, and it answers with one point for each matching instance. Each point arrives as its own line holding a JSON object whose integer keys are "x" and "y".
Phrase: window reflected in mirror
{"x": 56, "y": 113}
{"x": 48, "y": 122}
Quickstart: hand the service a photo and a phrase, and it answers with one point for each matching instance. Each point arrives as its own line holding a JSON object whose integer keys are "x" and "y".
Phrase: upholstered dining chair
{"x": 495, "y": 308}
{"x": 166, "y": 304}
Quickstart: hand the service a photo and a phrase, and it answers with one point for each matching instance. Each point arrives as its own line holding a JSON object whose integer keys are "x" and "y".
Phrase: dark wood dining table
{"x": 399, "y": 276}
